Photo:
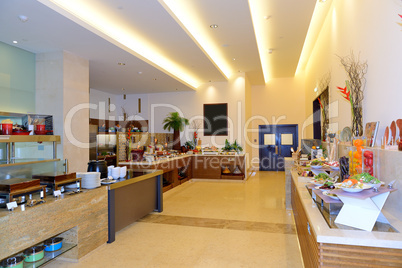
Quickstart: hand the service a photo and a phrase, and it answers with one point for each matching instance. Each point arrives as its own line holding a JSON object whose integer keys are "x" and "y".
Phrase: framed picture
{"x": 371, "y": 133}
{"x": 216, "y": 119}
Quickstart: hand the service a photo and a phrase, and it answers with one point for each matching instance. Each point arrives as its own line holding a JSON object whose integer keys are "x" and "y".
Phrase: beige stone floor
{"x": 208, "y": 224}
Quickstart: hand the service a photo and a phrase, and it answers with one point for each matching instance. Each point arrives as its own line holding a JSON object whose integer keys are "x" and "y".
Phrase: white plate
{"x": 327, "y": 193}
{"x": 316, "y": 167}
{"x": 334, "y": 168}
{"x": 355, "y": 190}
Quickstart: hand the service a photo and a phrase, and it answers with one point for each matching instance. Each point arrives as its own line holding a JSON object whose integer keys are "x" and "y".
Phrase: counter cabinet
{"x": 318, "y": 254}
{"x": 211, "y": 167}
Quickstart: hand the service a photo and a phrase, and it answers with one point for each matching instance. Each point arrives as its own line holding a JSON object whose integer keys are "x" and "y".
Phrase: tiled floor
{"x": 209, "y": 224}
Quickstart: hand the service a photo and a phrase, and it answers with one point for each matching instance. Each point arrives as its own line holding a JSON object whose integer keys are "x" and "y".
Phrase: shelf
{"x": 29, "y": 162}
{"x": 50, "y": 256}
{"x": 29, "y": 138}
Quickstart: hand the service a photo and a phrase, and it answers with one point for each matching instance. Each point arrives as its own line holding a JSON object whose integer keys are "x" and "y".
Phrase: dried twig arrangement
{"x": 356, "y": 71}
{"x": 323, "y": 86}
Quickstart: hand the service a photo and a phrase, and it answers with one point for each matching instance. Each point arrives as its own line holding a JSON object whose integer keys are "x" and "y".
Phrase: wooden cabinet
{"x": 210, "y": 167}
{"x": 206, "y": 167}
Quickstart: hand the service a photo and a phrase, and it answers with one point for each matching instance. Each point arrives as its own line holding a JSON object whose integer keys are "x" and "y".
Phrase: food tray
{"x": 15, "y": 184}
{"x": 55, "y": 177}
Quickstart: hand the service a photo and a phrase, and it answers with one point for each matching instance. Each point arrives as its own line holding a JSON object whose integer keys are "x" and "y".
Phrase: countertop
{"x": 156, "y": 162}
{"x": 325, "y": 234}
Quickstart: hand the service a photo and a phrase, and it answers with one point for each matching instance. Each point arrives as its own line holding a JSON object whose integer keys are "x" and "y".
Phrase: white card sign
{"x": 12, "y": 205}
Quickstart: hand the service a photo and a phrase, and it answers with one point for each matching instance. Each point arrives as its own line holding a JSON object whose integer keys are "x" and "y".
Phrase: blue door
{"x": 275, "y": 143}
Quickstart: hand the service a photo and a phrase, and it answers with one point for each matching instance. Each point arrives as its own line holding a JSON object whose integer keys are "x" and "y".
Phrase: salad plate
{"x": 316, "y": 167}
{"x": 355, "y": 190}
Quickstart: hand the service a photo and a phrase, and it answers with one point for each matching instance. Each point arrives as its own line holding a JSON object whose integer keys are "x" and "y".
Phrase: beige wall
{"x": 62, "y": 85}
{"x": 373, "y": 31}
{"x": 280, "y": 101}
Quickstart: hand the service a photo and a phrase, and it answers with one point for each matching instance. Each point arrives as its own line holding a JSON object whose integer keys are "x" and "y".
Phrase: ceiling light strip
{"x": 187, "y": 18}
{"x": 94, "y": 20}
{"x": 260, "y": 35}
{"x": 317, "y": 21}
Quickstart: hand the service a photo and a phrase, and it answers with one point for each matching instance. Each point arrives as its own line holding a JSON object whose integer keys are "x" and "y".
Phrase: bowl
{"x": 40, "y": 132}
{"x": 21, "y": 132}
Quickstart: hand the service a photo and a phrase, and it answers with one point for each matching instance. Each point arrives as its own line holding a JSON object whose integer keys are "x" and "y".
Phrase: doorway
{"x": 275, "y": 143}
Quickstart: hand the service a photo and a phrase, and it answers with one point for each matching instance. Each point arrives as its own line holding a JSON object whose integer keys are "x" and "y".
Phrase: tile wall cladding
{"x": 141, "y": 139}
{"x": 80, "y": 219}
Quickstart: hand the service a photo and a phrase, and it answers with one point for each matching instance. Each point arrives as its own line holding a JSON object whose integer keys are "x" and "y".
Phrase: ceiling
{"x": 185, "y": 51}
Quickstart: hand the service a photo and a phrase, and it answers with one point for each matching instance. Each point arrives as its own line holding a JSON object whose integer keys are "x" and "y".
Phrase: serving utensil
{"x": 399, "y": 124}
{"x": 386, "y": 135}
{"x": 393, "y": 132}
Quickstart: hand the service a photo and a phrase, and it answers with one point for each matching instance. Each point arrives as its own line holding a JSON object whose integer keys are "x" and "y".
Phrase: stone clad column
{"x": 62, "y": 86}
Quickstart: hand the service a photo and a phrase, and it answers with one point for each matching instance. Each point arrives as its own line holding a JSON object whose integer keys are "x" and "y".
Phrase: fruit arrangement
{"x": 356, "y": 157}
{"x": 368, "y": 162}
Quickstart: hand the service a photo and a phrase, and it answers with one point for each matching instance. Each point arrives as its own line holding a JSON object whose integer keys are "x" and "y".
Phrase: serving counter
{"x": 323, "y": 246}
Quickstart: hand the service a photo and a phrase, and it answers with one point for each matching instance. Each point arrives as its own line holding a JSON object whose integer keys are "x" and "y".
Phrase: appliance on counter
{"x": 98, "y": 166}
{"x": 57, "y": 180}
{"x": 16, "y": 189}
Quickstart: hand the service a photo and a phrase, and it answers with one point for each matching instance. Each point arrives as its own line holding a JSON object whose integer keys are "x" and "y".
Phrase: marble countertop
{"x": 325, "y": 234}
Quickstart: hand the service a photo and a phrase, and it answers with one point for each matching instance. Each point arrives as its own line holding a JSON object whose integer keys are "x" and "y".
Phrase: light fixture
{"x": 233, "y": 58}
{"x": 121, "y": 63}
{"x": 123, "y": 89}
{"x": 186, "y": 15}
{"x": 270, "y": 51}
{"x": 15, "y": 42}
{"x": 139, "y": 72}
{"x": 257, "y": 8}
{"x": 316, "y": 89}
{"x": 95, "y": 19}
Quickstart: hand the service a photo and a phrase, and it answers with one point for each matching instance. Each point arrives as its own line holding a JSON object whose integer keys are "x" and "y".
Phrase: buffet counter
{"x": 81, "y": 219}
{"x": 325, "y": 246}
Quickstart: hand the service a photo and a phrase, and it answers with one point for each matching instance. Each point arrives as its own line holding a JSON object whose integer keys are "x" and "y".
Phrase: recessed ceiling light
{"x": 154, "y": 79}
{"x": 139, "y": 72}
{"x": 15, "y": 42}
{"x": 316, "y": 89}
{"x": 121, "y": 63}
{"x": 213, "y": 26}
{"x": 23, "y": 18}
{"x": 225, "y": 45}
{"x": 270, "y": 50}
{"x": 234, "y": 59}
{"x": 267, "y": 17}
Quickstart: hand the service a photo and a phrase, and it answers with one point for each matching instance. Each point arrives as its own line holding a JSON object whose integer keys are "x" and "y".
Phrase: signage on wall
{"x": 216, "y": 119}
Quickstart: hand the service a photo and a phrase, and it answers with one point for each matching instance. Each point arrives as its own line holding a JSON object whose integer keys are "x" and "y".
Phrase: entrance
{"x": 275, "y": 142}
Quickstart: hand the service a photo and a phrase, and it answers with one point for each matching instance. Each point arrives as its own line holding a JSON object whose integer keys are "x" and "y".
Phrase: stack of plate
{"x": 89, "y": 180}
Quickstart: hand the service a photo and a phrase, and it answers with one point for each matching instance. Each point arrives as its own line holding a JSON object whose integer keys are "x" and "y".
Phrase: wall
{"x": 280, "y": 101}
{"x": 130, "y": 105}
{"x": 99, "y": 105}
{"x": 373, "y": 31}
{"x": 17, "y": 80}
{"x": 190, "y": 105}
{"x": 62, "y": 90}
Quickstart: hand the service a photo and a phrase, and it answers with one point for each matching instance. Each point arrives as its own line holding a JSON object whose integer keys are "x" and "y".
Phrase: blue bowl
{"x": 53, "y": 244}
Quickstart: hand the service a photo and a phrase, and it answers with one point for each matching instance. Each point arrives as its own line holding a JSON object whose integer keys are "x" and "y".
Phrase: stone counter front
{"x": 81, "y": 219}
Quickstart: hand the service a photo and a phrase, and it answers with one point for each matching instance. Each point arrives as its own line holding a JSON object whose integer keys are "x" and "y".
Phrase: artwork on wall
{"x": 371, "y": 133}
{"x": 216, "y": 119}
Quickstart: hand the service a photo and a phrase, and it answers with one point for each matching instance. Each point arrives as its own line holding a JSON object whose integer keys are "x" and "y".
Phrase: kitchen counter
{"x": 321, "y": 245}
{"x": 325, "y": 234}
{"x": 81, "y": 219}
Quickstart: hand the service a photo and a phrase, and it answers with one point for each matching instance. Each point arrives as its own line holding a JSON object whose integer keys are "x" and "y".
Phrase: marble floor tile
{"x": 208, "y": 224}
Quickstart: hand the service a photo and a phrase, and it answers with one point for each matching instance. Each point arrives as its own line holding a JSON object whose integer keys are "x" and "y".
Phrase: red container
{"x": 7, "y": 129}
{"x": 40, "y": 127}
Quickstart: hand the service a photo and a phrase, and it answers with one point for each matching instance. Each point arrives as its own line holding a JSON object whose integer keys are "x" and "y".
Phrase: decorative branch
{"x": 355, "y": 71}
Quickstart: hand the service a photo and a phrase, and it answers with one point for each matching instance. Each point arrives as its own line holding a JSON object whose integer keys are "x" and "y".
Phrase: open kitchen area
{"x": 200, "y": 133}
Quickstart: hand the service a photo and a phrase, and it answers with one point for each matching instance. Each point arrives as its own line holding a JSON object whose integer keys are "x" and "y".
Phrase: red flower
{"x": 344, "y": 92}
{"x": 195, "y": 134}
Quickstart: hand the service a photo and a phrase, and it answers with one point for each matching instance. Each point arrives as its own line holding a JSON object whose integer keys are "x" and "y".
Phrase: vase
{"x": 357, "y": 122}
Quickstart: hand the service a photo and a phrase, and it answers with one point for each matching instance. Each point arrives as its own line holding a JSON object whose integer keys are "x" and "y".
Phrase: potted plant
{"x": 177, "y": 123}
{"x": 232, "y": 147}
